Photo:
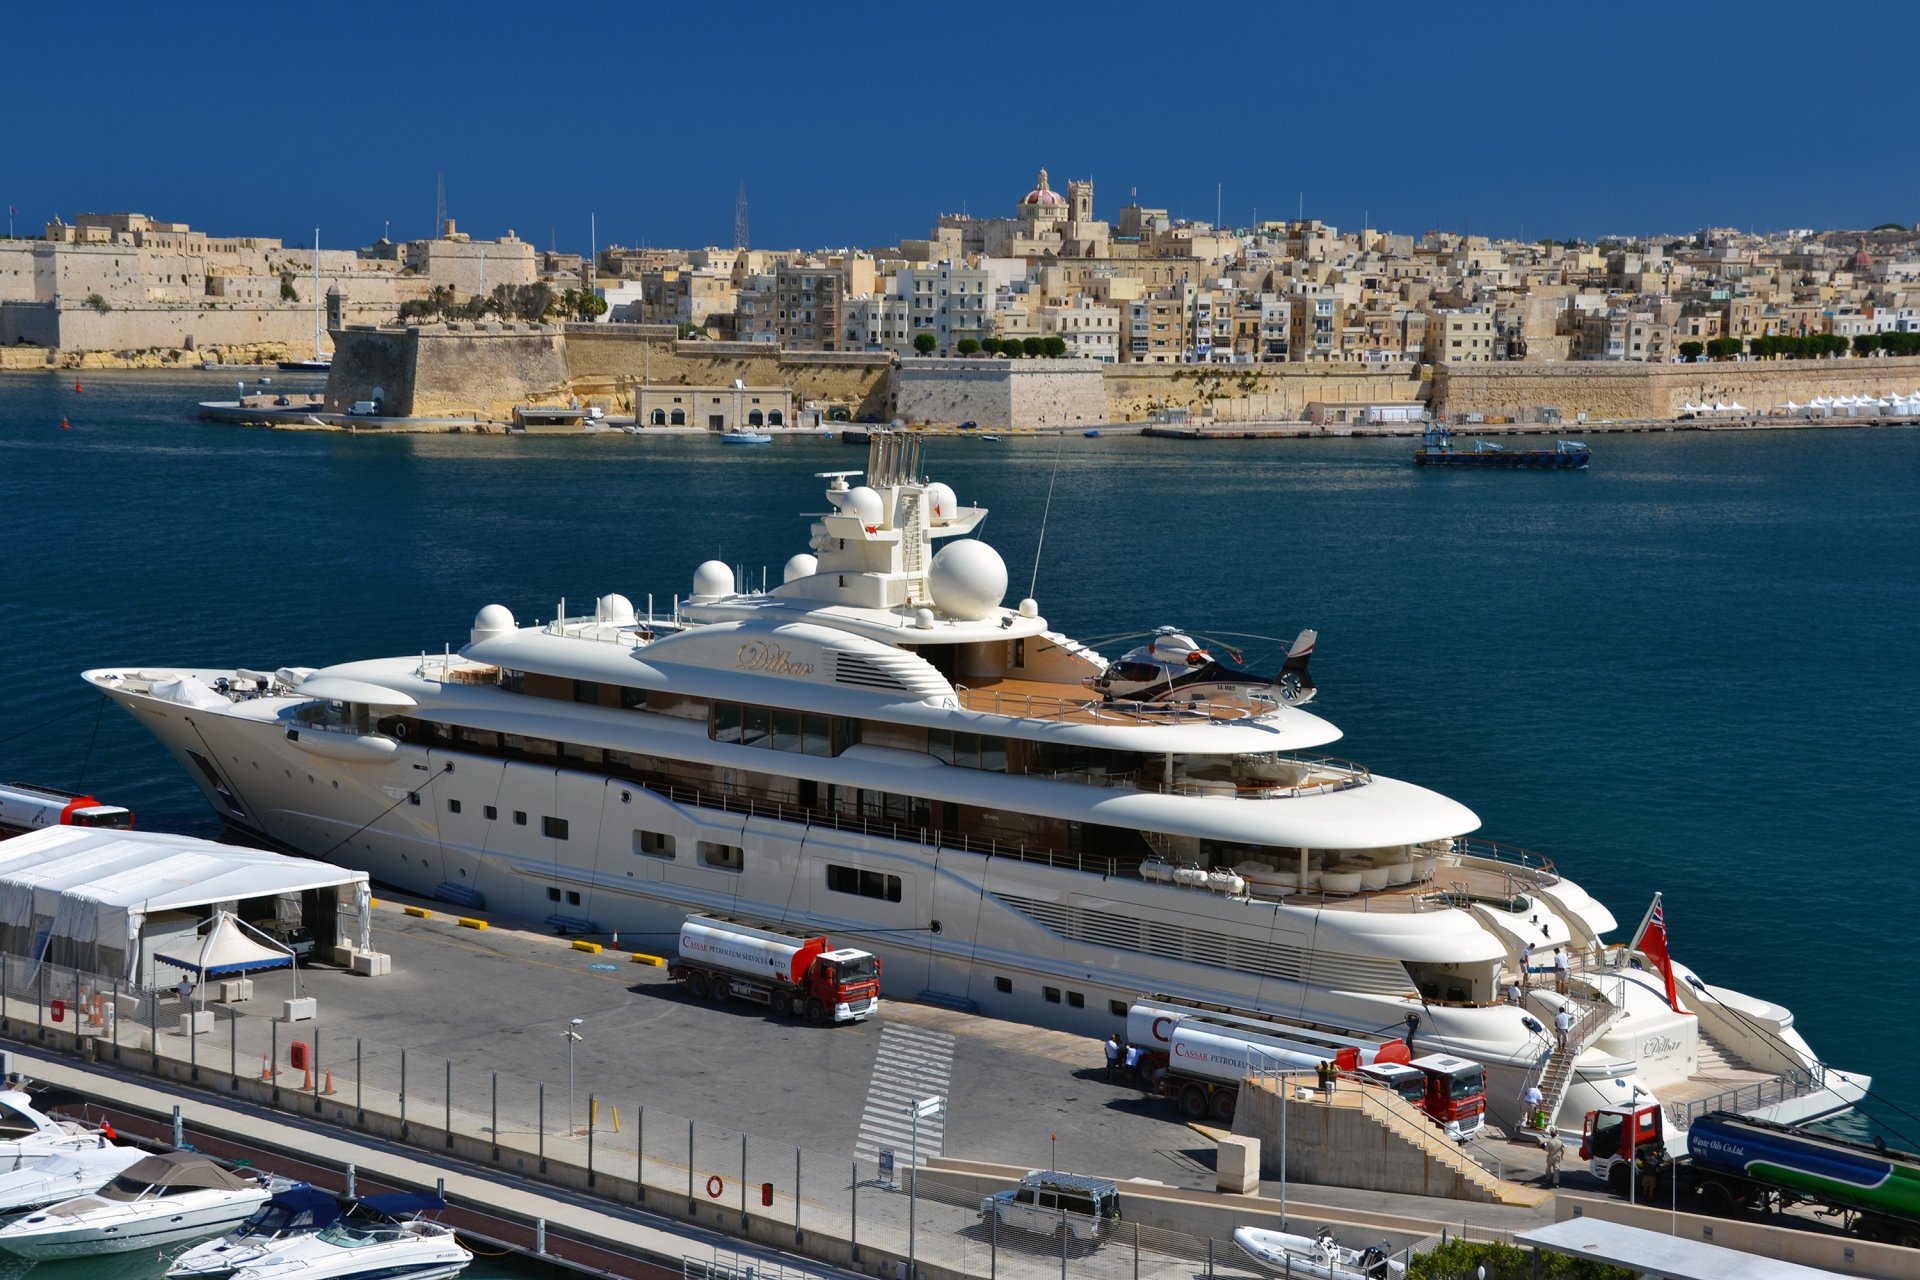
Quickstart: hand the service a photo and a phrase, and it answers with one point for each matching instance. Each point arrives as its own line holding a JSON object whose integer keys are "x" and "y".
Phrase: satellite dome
{"x": 968, "y": 579}
{"x": 941, "y": 502}
{"x": 866, "y": 504}
{"x": 494, "y": 620}
{"x": 711, "y": 581}
{"x": 616, "y": 609}
{"x": 800, "y": 566}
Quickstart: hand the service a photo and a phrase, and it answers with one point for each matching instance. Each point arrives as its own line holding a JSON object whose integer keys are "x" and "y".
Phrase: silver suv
{"x": 1049, "y": 1203}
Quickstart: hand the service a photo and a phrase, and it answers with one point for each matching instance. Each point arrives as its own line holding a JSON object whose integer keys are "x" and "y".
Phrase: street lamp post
{"x": 917, "y": 1110}
{"x": 573, "y": 1037}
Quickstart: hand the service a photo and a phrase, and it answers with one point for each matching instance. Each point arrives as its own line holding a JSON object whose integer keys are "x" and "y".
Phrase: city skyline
{"x": 861, "y": 125}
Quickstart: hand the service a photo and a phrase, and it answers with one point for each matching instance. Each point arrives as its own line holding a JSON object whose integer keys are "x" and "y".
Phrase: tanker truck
{"x": 1733, "y": 1161}
{"x": 1196, "y": 1056}
{"x": 788, "y": 972}
{"x": 26, "y": 808}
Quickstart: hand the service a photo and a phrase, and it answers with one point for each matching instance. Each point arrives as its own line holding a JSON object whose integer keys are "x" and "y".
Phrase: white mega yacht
{"x": 880, "y": 748}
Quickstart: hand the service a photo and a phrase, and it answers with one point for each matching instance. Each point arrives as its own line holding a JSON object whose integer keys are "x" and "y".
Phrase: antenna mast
{"x": 439, "y": 205}
{"x": 740, "y": 217}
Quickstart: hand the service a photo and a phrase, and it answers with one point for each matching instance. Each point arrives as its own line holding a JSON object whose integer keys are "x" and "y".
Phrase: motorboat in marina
{"x": 368, "y": 1243}
{"x": 78, "y": 1172}
{"x": 883, "y": 748}
{"x": 28, "y": 1135}
{"x": 745, "y": 437}
{"x": 1319, "y": 1255}
{"x": 160, "y": 1199}
{"x": 299, "y": 1208}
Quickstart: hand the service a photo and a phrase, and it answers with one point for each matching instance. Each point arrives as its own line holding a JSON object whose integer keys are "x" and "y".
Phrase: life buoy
{"x": 715, "y": 1187}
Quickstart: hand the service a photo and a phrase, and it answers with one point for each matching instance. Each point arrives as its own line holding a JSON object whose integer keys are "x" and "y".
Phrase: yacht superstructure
{"x": 882, "y": 750}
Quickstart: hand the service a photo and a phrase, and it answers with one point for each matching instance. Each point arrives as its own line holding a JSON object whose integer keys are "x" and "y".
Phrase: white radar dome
{"x": 941, "y": 502}
{"x": 800, "y": 566}
{"x": 968, "y": 579}
{"x": 1029, "y": 608}
{"x": 865, "y": 503}
{"x": 711, "y": 581}
{"x": 494, "y": 620}
{"x": 616, "y": 609}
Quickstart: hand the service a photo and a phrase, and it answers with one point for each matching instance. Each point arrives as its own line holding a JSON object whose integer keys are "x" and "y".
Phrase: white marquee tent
{"x": 105, "y": 901}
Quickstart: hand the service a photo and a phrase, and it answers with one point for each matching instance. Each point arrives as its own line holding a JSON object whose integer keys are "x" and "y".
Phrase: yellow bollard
{"x": 616, "y": 1117}
{"x": 591, "y": 948}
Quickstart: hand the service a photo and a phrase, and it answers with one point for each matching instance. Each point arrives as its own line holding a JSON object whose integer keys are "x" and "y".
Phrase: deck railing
{"x": 1512, "y": 855}
{"x": 1745, "y": 1099}
{"x": 1038, "y": 706}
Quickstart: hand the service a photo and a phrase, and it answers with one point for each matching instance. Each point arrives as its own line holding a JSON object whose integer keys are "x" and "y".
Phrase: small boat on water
{"x": 1092, "y": 434}
{"x": 745, "y": 437}
{"x": 371, "y": 1242}
{"x": 296, "y": 1209}
{"x": 855, "y": 435}
{"x": 1437, "y": 451}
{"x": 161, "y": 1199}
{"x": 1318, "y": 1255}
{"x": 79, "y": 1172}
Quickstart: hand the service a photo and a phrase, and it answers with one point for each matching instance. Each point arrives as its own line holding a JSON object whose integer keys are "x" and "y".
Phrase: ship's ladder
{"x": 1554, "y": 1075}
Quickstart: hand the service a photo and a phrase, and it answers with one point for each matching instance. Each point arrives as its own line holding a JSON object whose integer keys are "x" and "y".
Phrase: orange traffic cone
{"x": 328, "y": 1091}
{"x": 266, "y": 1068}
{"x": 306, "y": 1081}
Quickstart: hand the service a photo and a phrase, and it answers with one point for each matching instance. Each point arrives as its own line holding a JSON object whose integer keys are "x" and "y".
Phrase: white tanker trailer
{"x": 788, "y": 972}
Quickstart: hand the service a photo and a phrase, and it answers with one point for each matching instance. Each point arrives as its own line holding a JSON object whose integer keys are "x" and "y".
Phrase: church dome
{"x": 1042, "y": 194}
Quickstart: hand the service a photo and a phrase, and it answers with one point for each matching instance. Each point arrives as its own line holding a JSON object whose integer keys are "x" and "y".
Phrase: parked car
{"x": 294, "y": 937}
{"x": 1048, "y": 1202}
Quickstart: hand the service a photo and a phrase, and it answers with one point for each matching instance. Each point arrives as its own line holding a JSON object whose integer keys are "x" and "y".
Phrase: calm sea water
{"x": 1687, "y": 670}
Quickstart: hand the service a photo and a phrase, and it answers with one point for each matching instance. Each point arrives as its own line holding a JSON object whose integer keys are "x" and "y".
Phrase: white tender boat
{"x": 77, "y": 1172}
{"x": 161, "y": 1199}
{"x": 29, "y": 1135}
{"x": 1320, "y": 1256}
{"x": 881, "y": 748}
{"x": 356, "y": 1248}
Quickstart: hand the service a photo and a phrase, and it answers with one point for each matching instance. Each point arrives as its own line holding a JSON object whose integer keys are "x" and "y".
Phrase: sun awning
{"x": 225, "y": 950}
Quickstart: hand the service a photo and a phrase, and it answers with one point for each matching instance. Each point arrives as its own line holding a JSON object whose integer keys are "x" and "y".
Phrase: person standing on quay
{"x": 1113, "y": 1057}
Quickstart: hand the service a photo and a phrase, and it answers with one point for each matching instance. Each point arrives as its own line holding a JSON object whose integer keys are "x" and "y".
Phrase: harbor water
{"x": 1684, "y": 669}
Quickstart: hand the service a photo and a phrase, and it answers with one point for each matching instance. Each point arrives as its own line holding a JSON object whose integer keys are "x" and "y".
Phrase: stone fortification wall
{"x": 1001, "y": 394}
{"x": 1269, "y": 392}
{"x": 607, "y": 361}
{"x": 453, "y": 370}
{"x": 1660, "y": 391}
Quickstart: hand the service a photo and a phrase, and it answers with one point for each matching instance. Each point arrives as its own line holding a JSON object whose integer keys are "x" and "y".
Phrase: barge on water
{"x": 1437, "y": 450}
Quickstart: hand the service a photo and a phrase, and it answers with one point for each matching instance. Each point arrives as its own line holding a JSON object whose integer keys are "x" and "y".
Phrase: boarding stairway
{"x": 1554, "y": 1075}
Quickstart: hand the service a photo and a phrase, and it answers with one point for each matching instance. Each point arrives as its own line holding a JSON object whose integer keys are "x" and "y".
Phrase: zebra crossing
{"x": 913, "y": 1062}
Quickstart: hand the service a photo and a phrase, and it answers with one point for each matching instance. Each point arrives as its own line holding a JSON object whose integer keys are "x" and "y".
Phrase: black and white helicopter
{"x": 1172, "y": 664}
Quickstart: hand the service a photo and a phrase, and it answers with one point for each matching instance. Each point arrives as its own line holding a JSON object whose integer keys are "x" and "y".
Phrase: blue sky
{"x": 857, "y": 124}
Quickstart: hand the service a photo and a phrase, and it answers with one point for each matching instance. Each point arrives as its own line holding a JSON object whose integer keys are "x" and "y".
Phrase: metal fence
{"x": 624, "y": 1147}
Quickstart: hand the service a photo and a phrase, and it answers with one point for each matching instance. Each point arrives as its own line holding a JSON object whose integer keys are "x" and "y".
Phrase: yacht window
{"x": 755, "y": 726}
{"x": 1118, "y": 1008}
{"x": 633, "y": 699}
{"x": 553, "y": 828}
{"x": 722, "y": 857}
{"x": 786, "y": 730}
{"x": 453, "y": 806}
{"x": 816, "y": 735}
{"x": 553, "y": 894}
{"x": 1076, "y": 999}
{"x": 573, "y": 898}
{"x": 993, "y": 754}
{"x": 726, "y": 722}
{"x": 491, "y": 813}
{"x": 653, "y": 844}
{"x": 519, "y": 817}
{"x": 13, "y": 1124}
{"x": 1003, "y": 985}
{"x": 413, "y": 798}
{"x": 586, "y": 691}
{"x": 867, "y": 884}
{"x": 513, "y": 681}
{"x": 1052, "y": 994}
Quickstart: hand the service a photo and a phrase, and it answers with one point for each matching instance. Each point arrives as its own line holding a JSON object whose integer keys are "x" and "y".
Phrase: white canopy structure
{"x": 222, "y": 949}
{"x": 106, "y": 901}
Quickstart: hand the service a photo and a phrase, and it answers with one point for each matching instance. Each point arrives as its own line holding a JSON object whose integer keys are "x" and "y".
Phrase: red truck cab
{"x": 1456, "y": 1093}
{"x": 1613, "y": 1137}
